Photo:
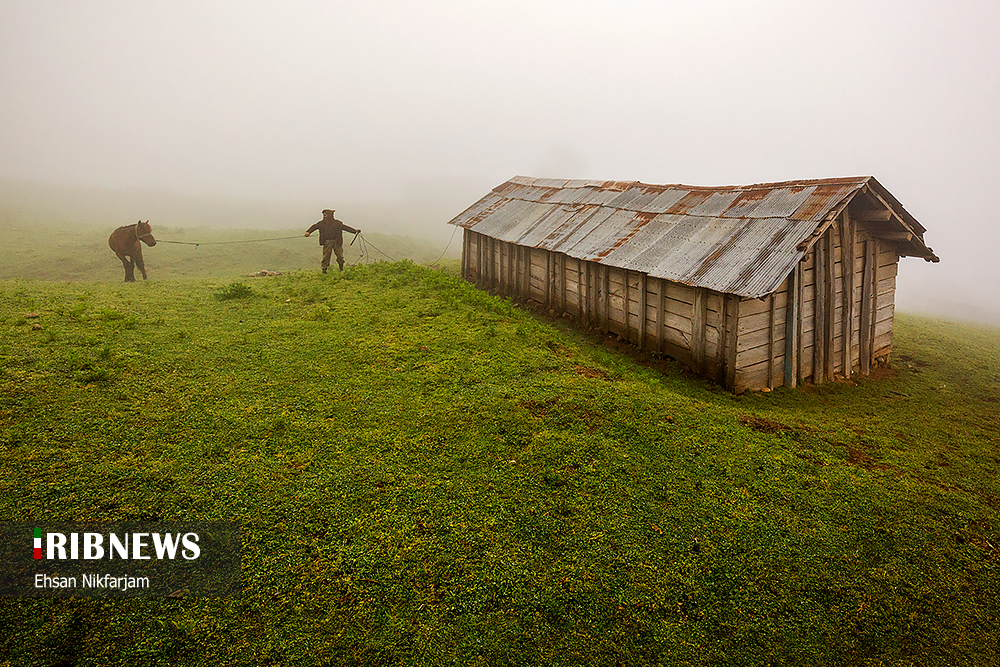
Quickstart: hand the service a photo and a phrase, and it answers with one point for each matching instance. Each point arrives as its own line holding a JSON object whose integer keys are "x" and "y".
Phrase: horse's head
{"x": 145, "y": 233}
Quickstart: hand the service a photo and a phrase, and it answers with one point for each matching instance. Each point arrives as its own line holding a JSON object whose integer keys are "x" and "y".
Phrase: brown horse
{"x": 125, "y": 242}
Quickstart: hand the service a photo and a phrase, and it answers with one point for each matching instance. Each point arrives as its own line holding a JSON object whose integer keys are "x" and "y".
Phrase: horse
{"x": 124, "y": 241}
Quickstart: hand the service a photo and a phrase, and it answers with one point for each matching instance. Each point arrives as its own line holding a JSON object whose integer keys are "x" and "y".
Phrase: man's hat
{"x": 328, "y": 211}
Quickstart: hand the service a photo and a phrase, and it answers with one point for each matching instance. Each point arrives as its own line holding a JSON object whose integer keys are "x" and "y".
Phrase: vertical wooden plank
{"x": 847, "y": 263}
{"x": 491, "y": 252}
{"x": 479, "y": 261}
{"x": 512, "y": 276}
{"x": 489, "y": 264}
{"x": 527, "y": 273}
{"x": 548, "y": 280}
{"x": 502, "y": 266}
{"x": 792, "y": 328}
{"x": 661, "y": 291}
{"x": 607, "y": 306}
{"x": 732, "y": 308}
{"x": 518, "y": 267}
{"x": 698, "y": 330}
{"x": 628, "y": 330}
{"x": 770, "y": 342}
{"x": 579, "y": 288}
{"x": 819, "y": 311}
{"x": 508, "y": 252}
{"x": 642, "y": 311}
{"x": 562, "y": 282}
{"x": 465, "y": 254}
{"x": 591, "y": 310}
{"x": 830, "y": 295}
{"x": 559, "y": 279}
{"x": 867, "y": 315}
{"x": 800, "y": 336}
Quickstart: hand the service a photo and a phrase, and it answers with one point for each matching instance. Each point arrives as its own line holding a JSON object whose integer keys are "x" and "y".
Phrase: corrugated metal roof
{"x": 735, "y": 239}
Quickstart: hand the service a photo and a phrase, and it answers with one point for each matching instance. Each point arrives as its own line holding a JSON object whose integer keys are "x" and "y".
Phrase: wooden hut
{"x": 750, "y": 285}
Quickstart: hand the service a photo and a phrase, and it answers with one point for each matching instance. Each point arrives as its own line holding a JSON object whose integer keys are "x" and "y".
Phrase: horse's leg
{"x": 137, "y": 256}
{"x": 127, "y": 263}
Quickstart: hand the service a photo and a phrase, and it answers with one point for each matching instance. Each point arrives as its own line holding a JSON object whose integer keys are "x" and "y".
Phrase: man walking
{"x": 331, "y": 237}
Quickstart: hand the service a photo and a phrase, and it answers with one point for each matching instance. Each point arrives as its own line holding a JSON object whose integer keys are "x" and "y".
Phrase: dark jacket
{"x": 331, "y": 229}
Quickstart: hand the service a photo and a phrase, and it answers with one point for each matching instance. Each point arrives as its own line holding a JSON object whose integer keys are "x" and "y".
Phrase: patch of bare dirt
{"x": 763, "y": 425}
{"x": 859, "y": 457}
{"x": 587, "y": 372}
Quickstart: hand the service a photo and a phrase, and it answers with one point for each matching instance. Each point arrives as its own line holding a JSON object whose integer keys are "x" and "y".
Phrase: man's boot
{"x": 340, "y": 263}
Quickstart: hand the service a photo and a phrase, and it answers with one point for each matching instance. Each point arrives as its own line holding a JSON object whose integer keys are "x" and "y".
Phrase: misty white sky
{"x": 328, "y": 101}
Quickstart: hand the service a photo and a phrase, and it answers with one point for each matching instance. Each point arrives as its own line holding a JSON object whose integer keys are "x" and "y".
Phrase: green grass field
{"x": 426, "y": 474}
{"x": 61, "y": 252}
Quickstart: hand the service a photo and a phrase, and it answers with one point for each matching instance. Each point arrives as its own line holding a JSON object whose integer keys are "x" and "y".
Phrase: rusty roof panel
{"x": 624, "y": 199}
{"x": 778, "y": 203}
{"x": 715, "y": 205}
{"x": 584, "y": 240}
{"x": 663, "y": 201}
{"x": 824, "y": 198}
{"x": 615, "y": 227}
{"x": 736, "y": 239}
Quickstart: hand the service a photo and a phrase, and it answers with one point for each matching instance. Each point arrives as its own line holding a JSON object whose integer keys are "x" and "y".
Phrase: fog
{"x": 400, "y": 115}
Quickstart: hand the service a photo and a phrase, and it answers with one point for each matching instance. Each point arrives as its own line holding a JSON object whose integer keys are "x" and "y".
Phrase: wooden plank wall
{"x": 840, "y": 295}
{"x": 743, "y": 343}
{"x": 656, "y": 315}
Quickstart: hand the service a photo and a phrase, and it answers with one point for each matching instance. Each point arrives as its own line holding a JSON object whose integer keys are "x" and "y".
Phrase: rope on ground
{"x": 196, "y": 244}
{"x": 365, "y": 244}
{"x": 361, "y": 248}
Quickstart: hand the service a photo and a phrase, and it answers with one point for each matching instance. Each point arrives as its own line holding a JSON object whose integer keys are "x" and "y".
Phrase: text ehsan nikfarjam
{"x": 129, "y": 546}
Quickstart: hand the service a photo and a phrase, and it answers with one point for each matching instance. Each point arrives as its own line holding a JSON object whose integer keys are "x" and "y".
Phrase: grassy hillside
{"x": 425, "y": 474}
{"x": 41, "y": 251}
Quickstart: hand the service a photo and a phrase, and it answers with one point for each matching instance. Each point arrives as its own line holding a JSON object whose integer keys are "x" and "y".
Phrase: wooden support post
{"x": 800, "y": 336}
{"x": 732, "y": 319}
{"x": 527, "y": 273}
{"x": 579, "y": 288}
{"x": 489, "y": 263}
{"x": 819, "y": 311}
{"x": 628, "y": 330}
{"x": 479, "y": 261}
{"x": 504, "y": 267}
{"x": 867, "y": 314}
{"x": 698, "y": 314}
{"x": 518, "y": 267}
{"x": 591, "y": 308}
{"x": 661, "y": 291}
{"x": 642, "y": 311}
{"x": 847, "y": 265}
{"x": 547, "y": 291}
{"x": 606, "y": 283}
{"x": 792, "y": 328}
{"x": 501, "y": 267}
{"x": 512, "y": 275}
{"x": 770, "y": 342}
{"x": 831, "y": 311}
{"x": 562, "y": 282}
{"x": 465, "y": 254}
